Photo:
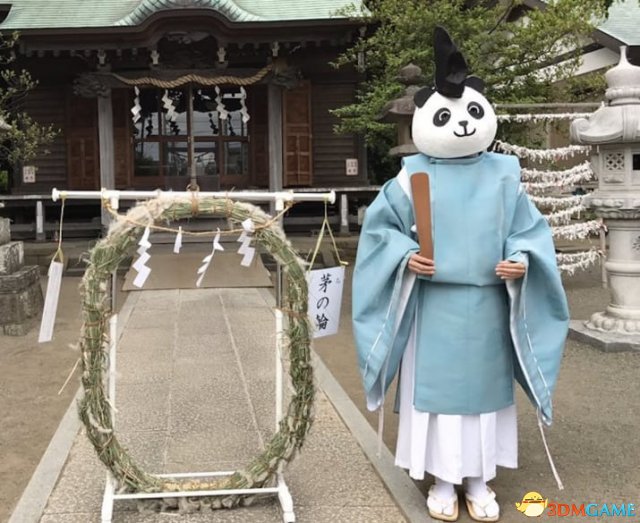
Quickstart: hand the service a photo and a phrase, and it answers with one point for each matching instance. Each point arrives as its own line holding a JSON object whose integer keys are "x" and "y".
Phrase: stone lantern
{"x": 613, "y": 131}
{"x": 400, "y": 110}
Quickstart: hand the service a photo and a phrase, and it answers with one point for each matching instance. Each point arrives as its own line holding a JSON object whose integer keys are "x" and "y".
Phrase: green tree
{"x": 515, "y": 50}
{"x": 21, "y": 138}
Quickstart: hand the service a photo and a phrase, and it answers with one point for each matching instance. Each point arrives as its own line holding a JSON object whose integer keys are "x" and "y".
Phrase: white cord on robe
{"x": 380, "y": 429}
{"x": 381, "y": 413}
{"x": 546, "y": 447}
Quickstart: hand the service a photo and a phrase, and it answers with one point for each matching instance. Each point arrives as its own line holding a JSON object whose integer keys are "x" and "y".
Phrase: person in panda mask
{"x": 488, "y": 309}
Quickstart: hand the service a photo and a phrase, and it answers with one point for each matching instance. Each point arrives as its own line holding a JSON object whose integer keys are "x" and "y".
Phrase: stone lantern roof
{"x": 400, "y": 111}
{"x": 617, "y": 121}
{"x": 402, "y": 108}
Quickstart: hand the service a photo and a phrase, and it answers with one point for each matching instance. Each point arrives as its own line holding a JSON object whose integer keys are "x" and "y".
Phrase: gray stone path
{"x": 196, "y": 393}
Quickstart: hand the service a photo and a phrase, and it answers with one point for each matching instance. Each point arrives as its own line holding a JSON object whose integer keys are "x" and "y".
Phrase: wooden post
{"x": 274, "y": 101}
{"x": 40, "y": 234}
{"x": 105, "y": 137}
{"x": 344, "y": 214}
{"x": 193, "y": 175}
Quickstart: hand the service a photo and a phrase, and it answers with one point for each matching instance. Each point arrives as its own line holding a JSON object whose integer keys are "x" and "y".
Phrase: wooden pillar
{"x": 193, "y": 177}
{"x": 274, "y": 101}
{"x": 105, "y": 140}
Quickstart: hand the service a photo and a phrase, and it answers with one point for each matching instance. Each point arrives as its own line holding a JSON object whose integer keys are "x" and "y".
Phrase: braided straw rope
{"x": 95, "y": 410}
{"x": 195, "y": 78}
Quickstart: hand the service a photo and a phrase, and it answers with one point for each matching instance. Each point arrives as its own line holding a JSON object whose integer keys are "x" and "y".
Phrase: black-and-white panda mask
{"x": 454, "y": 119}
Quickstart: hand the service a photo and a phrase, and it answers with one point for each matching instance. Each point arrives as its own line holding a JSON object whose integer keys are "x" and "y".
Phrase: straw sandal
{"x": 477, "y": 508}
{"x": 438, "y": 507}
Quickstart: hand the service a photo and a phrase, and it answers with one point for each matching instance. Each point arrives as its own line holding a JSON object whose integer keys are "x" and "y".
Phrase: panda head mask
{"x": 452, "y": 119}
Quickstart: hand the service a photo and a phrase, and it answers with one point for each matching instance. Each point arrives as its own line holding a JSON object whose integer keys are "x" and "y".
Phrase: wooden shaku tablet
{"x": 422, "y": 211}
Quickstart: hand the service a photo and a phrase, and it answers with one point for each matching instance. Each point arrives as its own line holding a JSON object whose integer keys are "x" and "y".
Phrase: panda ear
{"x": 422, "y": 96}
{"x": 475, "y": 83}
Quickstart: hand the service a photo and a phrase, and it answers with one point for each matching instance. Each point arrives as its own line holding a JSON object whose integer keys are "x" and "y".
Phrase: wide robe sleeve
{"x": 539, "y": 313}
{"x": 383, "y": 290}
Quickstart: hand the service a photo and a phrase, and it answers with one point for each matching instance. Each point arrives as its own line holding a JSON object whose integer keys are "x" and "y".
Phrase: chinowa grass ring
{"x": 94, "y": 408}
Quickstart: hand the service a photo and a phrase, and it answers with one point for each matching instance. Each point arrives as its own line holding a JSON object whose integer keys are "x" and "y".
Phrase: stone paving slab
{"x": 196, "y": 393}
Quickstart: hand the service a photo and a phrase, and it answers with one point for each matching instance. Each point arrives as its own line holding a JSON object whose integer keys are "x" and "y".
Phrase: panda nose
{"x": 464, "y": 123}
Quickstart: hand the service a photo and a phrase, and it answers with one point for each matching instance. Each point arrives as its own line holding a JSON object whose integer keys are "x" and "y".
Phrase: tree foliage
{"x": 25, "y": 138}
{"x": 523, "y": 55}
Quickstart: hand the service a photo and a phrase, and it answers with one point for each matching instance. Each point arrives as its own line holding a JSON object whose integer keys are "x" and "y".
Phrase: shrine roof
{"x": 622, "y": 24}
{"x": 76, "y": 14}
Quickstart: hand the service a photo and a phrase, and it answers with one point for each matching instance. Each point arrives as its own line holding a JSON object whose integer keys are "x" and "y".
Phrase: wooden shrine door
{"x": 297, "y": 138}
{"x": 83, "y": 153}
{"x": 259, "y": 135}
{"x": 122, "y": 139}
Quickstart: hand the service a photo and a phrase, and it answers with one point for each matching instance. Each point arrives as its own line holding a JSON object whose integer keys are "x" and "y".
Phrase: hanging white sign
{"x": 51, "y": 301}
{"x": 325, "y": 300}
{"x": 178, "y": 243}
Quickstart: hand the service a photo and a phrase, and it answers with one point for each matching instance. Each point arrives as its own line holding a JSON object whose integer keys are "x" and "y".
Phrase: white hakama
{"x": 449, "y": 446}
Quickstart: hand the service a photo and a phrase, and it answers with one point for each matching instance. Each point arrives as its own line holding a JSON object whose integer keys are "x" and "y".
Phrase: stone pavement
{"x": 196, "y": 393}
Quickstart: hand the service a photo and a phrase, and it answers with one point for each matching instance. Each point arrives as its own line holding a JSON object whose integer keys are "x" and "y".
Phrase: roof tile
{"x": 39, "y": 14}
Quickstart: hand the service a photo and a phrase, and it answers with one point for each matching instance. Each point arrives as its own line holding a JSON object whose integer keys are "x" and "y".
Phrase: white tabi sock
{"x": 477, "y": 488}
{"x": 443, "y": 489}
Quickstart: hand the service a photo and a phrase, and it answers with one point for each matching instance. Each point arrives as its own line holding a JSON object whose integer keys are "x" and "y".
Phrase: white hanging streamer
{"x": 577, "y": 231}
{"x": 243, "y": 105}
{"x": 224, "y": 114}
{"x": 521, "y": 118}
{"x": 580, "y": 172}
{"x": 572, "y": 257}
{"x": 571, "y": 262}
{"x": 538, "y": 183}
{"x": 137, "y": 108}
{"x": 206, "y": 261}
{"x": 178, "y": 243}
{"x": 571, "y": 268}
{"x": 561, "y": 153}
{"x": 167, "y": 103}
{"x": 245, "y": 238}
{"x": 140, "y": 264}
{"x": 557, "y": 202}
{"x": 563, "y": 216}
{"x": 543, "y": 186}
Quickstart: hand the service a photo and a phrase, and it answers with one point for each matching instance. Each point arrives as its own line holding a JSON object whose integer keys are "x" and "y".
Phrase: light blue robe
{"x": 474, "y": 332}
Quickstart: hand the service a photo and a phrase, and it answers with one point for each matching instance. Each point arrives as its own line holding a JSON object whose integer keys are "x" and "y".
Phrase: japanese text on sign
{"x": 325, "y": 299}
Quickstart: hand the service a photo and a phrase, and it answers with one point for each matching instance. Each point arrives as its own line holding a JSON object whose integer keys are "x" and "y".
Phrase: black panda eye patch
{"x": 441, "y": 117}
{"x": 475, "y": 110}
